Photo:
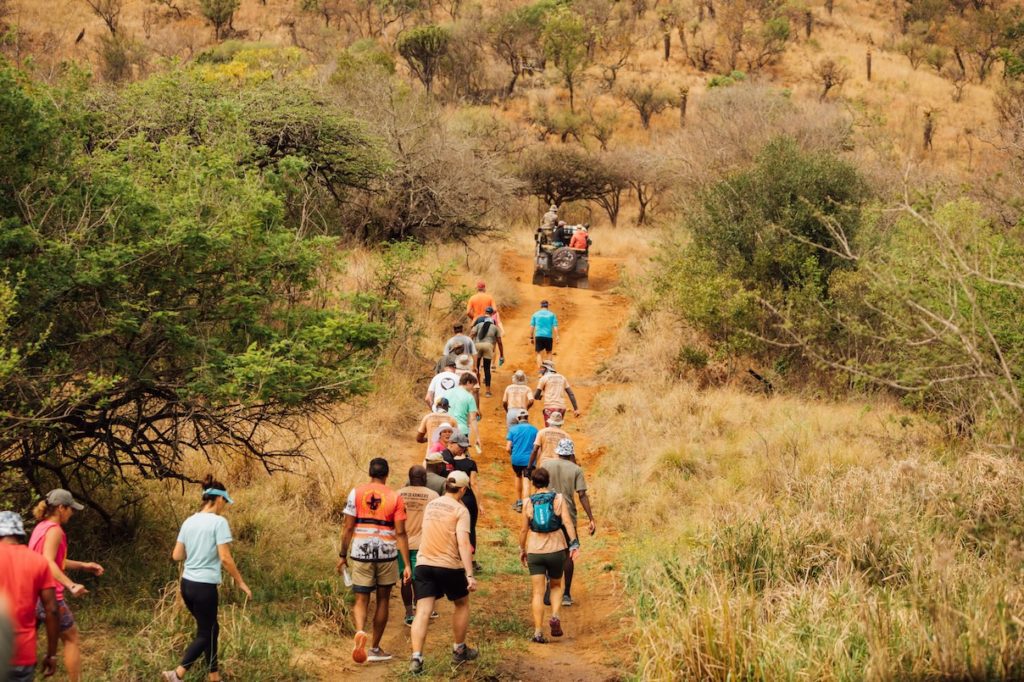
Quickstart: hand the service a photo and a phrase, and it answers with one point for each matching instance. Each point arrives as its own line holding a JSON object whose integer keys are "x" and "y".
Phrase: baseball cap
{"x": 58, "y": 497}
{"x": 443, "y": 404}
{"x": 434, "y": 457}
{"x": 489, "y": 309}
{"x": 544, "y": 303}
{"x": 556, "y": 419}
{"x": 522, "y": 416}
{"x": 481, "y": 285}
{"x": 519, "y": 377}
{"x": 565, "y": 448}
{"x": 459, "y": 479}
{"x": 11, "y": 524}
{"x": 460, "y": 439}
{"x": 464, "y": 362}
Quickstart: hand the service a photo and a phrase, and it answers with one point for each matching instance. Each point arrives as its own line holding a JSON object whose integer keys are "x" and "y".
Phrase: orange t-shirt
{"x": 443, "y": 520}
{"x": 376, "y": 508}
{"x": 416, "y": 499}
{"x": 478, "y": 304}
{"x": 552, "y": 387}
{"x": 547, "y": 439}
{"x": 517, "y": 396}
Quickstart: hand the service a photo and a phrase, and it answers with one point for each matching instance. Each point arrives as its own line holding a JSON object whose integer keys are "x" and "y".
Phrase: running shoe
{"x": 376, "y": 655}
{"x": 465, "y": 653}
{"x": 416, "y": 665}
{"x": 539, "y": 639}
{"x": 409, "y": 620}
{"x": 359, "y": 647}
{"x": 171, "y": 676}
{"x": 566, "y": 600}
{"x": 488, "y": 394}
{"x": 556, "y": 627}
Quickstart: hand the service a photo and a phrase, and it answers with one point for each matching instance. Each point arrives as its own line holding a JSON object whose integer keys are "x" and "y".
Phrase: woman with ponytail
{"x": 204, "y": 545}
{"x": 50, "y": 540}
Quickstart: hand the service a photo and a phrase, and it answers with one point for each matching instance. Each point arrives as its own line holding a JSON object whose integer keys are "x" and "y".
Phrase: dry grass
{"x": 789, "y": 539}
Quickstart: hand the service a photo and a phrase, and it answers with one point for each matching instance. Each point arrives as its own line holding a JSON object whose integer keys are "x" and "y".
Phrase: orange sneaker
{"x": 359, "y": 647}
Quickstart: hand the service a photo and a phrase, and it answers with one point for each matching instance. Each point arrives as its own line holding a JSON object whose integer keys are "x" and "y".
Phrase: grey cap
{"x": 459, "y": 439}
{"x": 58, "y": 497}
{"x": 11, "y": 524}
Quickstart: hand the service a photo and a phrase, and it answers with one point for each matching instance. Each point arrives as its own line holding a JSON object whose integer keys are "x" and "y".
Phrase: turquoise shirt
{"x": 460, "y": 405}
{"x": 201, "y": 533}
{"x": 544, "y": 323}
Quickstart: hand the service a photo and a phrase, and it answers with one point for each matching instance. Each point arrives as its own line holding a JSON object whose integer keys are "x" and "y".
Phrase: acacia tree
{"x": 565, "y": 43}
{"x": 831, "y": 74}
{"x": 109, "y": 11}
{"x": 571, "y": 174}
{"x": 159, "y": 304}
{"x": 423, "y": 48}
{"x": 220, "y": 13}
{"x": 647, "y": 98}
{"x": 515, "y": 37}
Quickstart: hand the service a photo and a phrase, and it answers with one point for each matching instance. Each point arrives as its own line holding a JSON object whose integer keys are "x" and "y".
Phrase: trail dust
{"x": 594, "y": 647}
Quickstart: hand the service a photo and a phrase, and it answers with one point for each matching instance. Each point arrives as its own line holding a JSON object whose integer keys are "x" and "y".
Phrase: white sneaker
{"x": 377, "y": 655}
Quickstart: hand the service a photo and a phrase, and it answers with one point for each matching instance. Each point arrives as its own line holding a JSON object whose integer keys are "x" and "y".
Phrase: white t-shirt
{"x": 441, "y": 384}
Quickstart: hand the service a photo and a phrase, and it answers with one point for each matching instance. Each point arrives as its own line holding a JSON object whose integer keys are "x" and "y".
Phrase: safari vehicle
{"x": 560, "y": 265}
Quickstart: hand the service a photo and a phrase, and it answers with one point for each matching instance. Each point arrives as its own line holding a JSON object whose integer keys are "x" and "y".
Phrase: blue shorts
{"x": 66, "y": 618}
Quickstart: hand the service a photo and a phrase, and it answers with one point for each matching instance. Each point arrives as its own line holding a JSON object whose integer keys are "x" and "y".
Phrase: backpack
{"x": 544, "y": 520}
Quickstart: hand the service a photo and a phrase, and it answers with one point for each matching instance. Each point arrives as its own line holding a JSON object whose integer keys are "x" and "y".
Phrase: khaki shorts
{"x": 485, "y": 350}
{"x": 369, "y": 575}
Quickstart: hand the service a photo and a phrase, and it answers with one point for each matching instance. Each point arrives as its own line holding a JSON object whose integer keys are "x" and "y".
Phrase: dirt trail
{"x": 589, "y": 321}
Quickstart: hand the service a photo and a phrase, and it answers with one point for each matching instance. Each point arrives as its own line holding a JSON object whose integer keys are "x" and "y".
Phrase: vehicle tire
{"x": 538, "y": 279}
{"x": 564, "y": 259}
{"x": 583, "y": 283}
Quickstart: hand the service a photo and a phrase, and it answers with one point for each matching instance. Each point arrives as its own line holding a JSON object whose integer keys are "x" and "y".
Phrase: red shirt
{"x": 23, "y": 575}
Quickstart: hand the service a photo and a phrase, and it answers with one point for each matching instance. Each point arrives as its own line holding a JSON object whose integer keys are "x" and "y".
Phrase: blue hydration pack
{"x": 544, "y": 520}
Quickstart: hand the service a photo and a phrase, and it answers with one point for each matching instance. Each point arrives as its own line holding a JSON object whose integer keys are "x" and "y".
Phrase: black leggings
{"x": 201, "y": 600}
{"x": 470, "y": 502}
{"x": 486, "y": 362}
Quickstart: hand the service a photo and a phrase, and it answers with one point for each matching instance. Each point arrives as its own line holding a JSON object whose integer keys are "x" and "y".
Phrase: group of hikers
{"x": 422, "y": 536}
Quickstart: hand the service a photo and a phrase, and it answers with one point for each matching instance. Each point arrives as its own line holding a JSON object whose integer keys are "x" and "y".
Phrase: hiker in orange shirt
{"x": 478, "y": 304}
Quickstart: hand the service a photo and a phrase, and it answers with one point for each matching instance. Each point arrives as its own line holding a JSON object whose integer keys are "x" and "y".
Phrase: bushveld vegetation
{"x": 228, "y": 228}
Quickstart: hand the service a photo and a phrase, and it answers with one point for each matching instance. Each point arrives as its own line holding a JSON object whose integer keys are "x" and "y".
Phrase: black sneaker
{"x": 465, "y": 653}
{"x": 416, "y": 666}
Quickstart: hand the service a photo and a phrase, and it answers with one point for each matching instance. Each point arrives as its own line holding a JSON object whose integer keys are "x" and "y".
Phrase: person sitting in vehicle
{"x": 550, "y": 218}
{"x": 580, "y": 239}
{"x": 559, "y": 236}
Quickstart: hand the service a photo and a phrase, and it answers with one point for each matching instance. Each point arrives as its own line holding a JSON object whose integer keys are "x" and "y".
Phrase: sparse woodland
{"x": 225, "y": 222}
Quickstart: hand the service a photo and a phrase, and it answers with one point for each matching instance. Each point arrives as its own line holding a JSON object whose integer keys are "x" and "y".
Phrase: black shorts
{"x": 543, "y": 343}
{"x": 434, "y": 581}
{"x": 552, "y": 564}
{"x": 521, "y": 472}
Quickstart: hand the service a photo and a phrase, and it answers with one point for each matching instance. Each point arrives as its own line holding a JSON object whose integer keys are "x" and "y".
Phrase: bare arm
{"x": 403, "y": 549}
{"x": 49, "y": 599}
{"x": 474, "y": 427}
{"x": 346, "y": 540}
{"x": 224, "y": 551}
{"x": 421, "y": 434}
{"x": 429, "y": 399}
{"x": 572, "y": 399}
{"x": 533, "y": 456}
{"x": 474, "y": 485}
{"x": 524, "y": 535}
{"x": 179, "y": 553}
{"x": 466, "y": 555}
{"x": 501, "y": 347}
{"x": 585, "y": 501}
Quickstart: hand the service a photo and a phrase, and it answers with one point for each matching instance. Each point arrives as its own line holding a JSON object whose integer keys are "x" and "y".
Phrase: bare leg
{"x": 556, "y": 596}
{"x": 537, "y": 603}
{"x": 424, "y": 607}
{"x": 72, "y": 654}
{"x": 380, "y": 616}
{"x": 569, "y": 569}
{"x": 359, "y": 610}
{"x": 407, "y": 597}
{"x": 460, "y": 619}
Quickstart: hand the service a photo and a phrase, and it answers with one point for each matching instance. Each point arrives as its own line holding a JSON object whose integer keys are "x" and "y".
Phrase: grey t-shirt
{"x": 434, "y": 482}
{"x": 464, "y": 340}
{"x": 567, "y": 479}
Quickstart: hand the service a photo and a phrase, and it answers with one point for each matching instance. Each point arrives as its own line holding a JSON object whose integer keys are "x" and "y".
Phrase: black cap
{"x": 544, "y": 304}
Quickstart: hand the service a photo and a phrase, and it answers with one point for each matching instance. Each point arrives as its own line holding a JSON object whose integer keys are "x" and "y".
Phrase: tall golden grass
{"x": 786, "y": 538}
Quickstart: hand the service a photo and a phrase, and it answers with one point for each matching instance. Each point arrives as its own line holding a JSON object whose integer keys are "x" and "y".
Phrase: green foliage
{"x": 219, "y": 13}
{"x": 159, "y": 295}
{"x": 423, "y": 48}
{"x": 566, "y": 37}
{"x": 725, "y": 80}
{"x": 566, "y": 174}
{"x": 516, "y": 36}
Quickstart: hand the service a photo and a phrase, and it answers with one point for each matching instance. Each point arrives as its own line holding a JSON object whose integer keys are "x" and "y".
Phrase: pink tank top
{"x": 36, "y": 543}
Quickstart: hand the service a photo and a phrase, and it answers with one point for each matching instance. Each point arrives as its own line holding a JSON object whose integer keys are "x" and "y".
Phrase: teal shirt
{"x": 201, "y": 533}
{"x": 544, "y": 323}
{"x": 460, "y": 404}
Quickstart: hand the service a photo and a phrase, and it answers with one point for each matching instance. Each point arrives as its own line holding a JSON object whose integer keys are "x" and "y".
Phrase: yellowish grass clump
{"x": 782, "y": 538}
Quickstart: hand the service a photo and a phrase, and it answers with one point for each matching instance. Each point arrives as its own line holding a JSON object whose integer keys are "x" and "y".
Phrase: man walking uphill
{"x": 487, "y": 335}
{"x": 416, "y": 496}
{"x": 478, "y": 303}
{"x": 551, "y": 388}
{"x": 543, "y": 332}
{"x": 445, "y": 567}
{"x": 373, "y": 538}
{"x": 567, "y": 479}
{"x": 25, "y": 580}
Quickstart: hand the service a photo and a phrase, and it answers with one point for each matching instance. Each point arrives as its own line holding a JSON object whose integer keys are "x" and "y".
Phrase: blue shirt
{"x": 522, "y": 437}
{"x": 544, "y": 323}
{"x": 201, "y": 533}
